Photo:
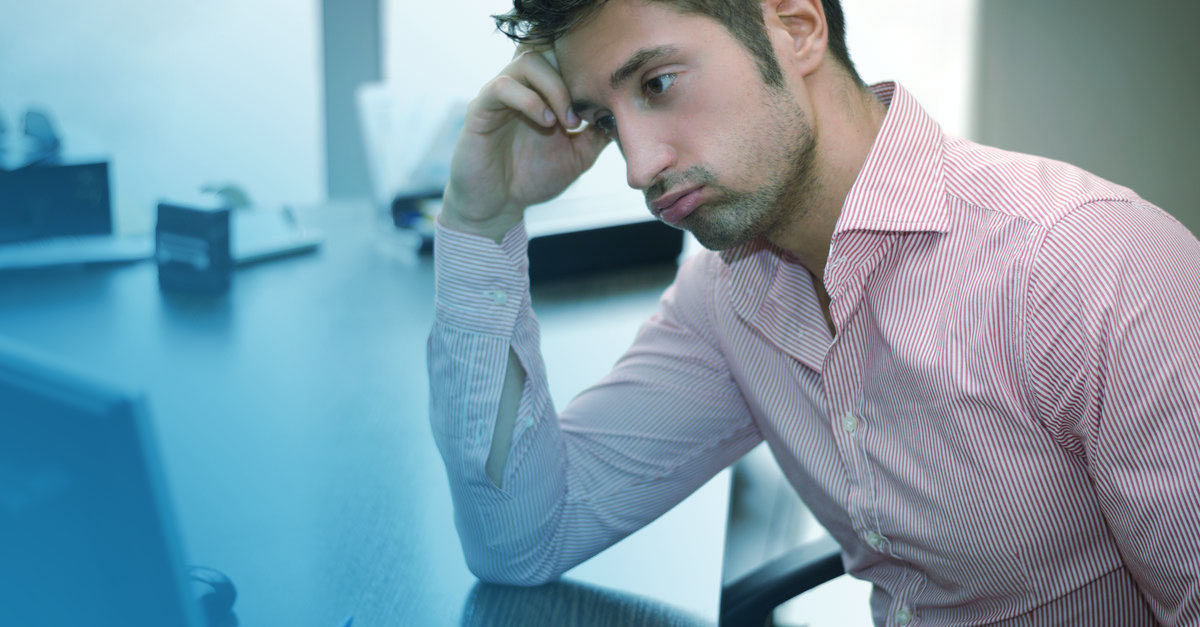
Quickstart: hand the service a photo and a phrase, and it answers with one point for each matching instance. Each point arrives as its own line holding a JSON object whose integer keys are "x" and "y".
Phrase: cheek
{"x": 747, "y": 149}
{"x": 708, "y": 127}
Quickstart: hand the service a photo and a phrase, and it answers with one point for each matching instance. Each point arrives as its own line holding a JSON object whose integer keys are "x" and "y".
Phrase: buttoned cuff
{"x": 481, "y": 286}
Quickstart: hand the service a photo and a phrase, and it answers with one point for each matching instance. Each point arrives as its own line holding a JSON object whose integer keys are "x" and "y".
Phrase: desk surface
{"x": 291, "y": 417}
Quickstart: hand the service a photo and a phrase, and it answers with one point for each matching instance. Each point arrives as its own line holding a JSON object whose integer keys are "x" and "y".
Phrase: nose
{"x": 647, "y": 152}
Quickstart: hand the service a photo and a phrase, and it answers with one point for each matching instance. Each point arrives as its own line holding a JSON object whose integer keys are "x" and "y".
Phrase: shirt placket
{"x": 852, "y": 261}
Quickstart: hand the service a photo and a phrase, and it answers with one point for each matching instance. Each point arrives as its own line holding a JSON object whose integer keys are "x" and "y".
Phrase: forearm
{"x": 484, "y": 413}
{"x": 507, "y": 523}
{"x": 456, "y": 216}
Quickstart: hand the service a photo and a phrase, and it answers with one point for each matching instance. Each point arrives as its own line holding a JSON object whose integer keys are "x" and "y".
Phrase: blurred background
{"x": 176, "y": 94}
{"x": 300, "y": 102}
{"x": 263, "y": 92}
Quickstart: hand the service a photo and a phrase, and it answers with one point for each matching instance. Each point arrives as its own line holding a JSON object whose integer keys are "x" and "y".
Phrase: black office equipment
{"x": 752, "y": 598}
{"x": 42, "y": 201}
{"x": 215, "y": 594}
{"x": 569, "y": 253}
{"x": 605, "y": 249}
{"x": 193, "y": 248}
{"x": 86, "y": 537}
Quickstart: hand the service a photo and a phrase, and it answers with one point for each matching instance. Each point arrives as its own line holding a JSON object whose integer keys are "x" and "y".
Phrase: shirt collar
{"x": 900, "y": 188}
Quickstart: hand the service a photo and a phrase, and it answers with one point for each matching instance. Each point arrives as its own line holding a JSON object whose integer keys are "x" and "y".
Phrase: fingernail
{"x": 548, "y": 115}
{"x": 572, "y": 119}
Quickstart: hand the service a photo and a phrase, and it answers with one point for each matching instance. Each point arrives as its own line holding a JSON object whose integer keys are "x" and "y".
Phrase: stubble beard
{"x": 732, "y": 218}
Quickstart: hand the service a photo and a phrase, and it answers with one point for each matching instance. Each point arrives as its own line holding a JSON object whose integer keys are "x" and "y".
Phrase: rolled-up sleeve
{"x": 664, "y": 421}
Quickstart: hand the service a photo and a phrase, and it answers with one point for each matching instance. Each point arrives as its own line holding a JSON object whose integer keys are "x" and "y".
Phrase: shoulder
{"x": 1034, "y": 189}
{"x": 1078, "y": 224}
{"x": 1110, "y": 269}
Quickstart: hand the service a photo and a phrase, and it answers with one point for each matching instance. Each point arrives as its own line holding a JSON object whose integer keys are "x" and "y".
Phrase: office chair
{"x": 752, "y": 598}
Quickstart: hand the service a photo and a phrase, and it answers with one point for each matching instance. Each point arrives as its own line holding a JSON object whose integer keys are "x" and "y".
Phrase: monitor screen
{"x": 85, "y": 534}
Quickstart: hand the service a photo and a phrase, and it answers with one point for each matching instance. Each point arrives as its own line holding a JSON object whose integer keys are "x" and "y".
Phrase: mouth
{"x": 676, "y": 206}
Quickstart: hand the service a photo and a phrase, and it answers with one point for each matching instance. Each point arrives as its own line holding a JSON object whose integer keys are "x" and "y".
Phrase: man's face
{"x": 715, "y": 149}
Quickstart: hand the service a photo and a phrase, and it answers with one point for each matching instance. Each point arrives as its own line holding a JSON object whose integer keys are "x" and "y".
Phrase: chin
{"x": 719, "y": 241}
{"x": 718, "y": 235}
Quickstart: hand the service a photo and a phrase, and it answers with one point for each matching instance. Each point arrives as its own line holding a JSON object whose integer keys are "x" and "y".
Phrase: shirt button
{"x": 849, "y": 422}
{"x": 904, "y": 616}
{"x": 499, "y": 297}
{"x": 875, "y": 540}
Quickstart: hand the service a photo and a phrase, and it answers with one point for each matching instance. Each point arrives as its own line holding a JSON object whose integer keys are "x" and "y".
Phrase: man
{"x": 981, "y": 370}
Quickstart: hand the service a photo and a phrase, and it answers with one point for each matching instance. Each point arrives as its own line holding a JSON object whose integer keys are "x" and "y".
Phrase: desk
{"x": 292, "y": 419}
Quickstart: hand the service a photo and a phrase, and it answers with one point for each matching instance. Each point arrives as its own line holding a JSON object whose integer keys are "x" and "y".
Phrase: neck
{"x": 846, "y": 120}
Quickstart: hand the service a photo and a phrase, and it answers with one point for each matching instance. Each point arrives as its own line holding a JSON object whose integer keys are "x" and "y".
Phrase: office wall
{"x": 448, "y": 48}
{"x": 928, "y": 46}
{"x": 1107, "y": 85}
{"x": 176, "y": 93}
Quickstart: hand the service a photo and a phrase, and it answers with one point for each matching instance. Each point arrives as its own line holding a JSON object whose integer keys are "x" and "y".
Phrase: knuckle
{"x": 532, "y": 101}
{"x": 503, "y": 87}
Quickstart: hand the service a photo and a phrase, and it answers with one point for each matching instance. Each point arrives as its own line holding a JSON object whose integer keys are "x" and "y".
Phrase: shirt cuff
{"x": 481, "y": 286}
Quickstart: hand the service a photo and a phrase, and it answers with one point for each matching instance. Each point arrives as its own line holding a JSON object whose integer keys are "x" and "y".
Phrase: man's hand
{"x": 515, "y": 149}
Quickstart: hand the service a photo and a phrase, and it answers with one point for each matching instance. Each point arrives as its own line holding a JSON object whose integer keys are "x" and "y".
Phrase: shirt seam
{"x": 970, "y": 203}
{"x": 1051, "y": 223}
{"x": 1046, "y": 232}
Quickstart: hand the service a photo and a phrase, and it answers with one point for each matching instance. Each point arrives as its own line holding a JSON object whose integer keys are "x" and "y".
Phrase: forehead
{"x": 590, "y": 52}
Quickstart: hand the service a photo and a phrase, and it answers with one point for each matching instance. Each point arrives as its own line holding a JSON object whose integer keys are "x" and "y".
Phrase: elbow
{"x": 526, "y": 570}
{"x": 511, "y": 578}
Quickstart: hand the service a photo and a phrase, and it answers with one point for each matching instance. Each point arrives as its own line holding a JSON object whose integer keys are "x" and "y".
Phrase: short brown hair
{"x": 541, "y": 22}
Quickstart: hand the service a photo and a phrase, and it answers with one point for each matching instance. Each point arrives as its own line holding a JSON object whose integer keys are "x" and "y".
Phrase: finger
{"x": 536, "y": 70}
{"x": 505, "y": 93}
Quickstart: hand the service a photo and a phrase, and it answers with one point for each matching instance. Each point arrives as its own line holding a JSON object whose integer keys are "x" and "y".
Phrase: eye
{"x": 659, "y": 85}
{"x": 606, "y": 124}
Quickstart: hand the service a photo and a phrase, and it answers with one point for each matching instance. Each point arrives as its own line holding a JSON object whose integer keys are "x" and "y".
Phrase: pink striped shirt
{"x": 1006, "y": 426}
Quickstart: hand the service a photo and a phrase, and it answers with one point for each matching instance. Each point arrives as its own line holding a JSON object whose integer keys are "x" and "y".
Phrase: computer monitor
{"x": 86, "y": 535}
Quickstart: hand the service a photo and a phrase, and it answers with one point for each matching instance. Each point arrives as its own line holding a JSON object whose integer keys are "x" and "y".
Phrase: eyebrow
{"x": 628, "y": 69}
{"x": 635, "y": 63}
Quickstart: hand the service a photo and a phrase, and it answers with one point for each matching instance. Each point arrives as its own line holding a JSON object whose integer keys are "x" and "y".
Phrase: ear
{"x": 802, "y": 22}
